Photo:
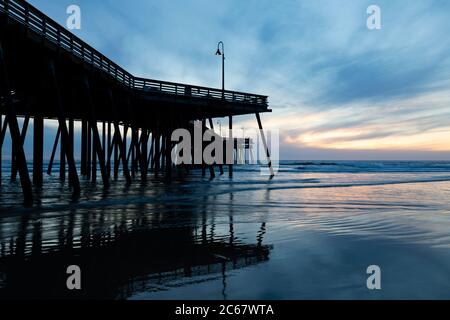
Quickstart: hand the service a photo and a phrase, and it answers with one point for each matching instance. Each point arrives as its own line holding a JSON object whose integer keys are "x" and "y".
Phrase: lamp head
{"x": 218, "y": 53}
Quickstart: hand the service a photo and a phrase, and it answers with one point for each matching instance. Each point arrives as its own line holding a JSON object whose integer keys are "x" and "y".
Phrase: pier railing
{"x": 36, "y": 21}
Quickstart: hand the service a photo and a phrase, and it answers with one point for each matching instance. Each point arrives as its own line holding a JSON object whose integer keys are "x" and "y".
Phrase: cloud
{"x": 328, "y": 77}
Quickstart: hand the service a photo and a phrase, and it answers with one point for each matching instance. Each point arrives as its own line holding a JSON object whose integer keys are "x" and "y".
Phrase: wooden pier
{"x": 47, "y": 73}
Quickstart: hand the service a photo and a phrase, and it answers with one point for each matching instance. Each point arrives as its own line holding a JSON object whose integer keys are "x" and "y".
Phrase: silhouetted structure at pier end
{"x": 46, "y": 72}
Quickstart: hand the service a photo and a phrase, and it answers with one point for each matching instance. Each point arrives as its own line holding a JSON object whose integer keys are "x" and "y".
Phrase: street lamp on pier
{"x": 222, "y": 53}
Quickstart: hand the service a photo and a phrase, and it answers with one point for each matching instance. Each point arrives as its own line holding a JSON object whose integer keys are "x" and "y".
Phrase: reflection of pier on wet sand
{"x": 118, "y": 258}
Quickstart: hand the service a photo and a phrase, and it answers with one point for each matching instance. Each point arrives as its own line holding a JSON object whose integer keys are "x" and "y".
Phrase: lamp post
{"x": 230, "y": 127}
{"x": 222, "y": 53}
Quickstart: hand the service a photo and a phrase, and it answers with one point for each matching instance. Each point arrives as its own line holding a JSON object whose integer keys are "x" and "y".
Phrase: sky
{"x": 337, "y": 89}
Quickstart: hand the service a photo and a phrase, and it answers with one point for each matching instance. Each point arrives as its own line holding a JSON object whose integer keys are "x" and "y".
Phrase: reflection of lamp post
{"x": 222, "y": 53}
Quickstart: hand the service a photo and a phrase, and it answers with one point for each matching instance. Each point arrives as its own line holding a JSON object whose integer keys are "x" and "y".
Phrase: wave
{"x": 364, "y": 184}
{"x": 367, "y": 166}
{"x": 312, "y": 163}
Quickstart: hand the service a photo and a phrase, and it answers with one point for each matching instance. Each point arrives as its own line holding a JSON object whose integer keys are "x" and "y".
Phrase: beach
{"x": 308, "y": 233}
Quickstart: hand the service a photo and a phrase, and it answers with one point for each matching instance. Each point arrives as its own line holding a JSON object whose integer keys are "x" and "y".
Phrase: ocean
{"x": 311, "y": 232}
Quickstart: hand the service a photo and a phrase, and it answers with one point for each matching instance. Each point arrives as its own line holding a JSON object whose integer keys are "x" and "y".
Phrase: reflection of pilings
{"x": 224, "y": 281}
{"x": 231, "y": 215}
{"x": 261, "y": 233}
{"x": 126, "y": 248}
{"x": 37, "y": 239}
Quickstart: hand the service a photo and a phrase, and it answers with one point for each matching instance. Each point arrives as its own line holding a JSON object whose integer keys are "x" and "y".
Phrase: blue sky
{"x": 337, "y": 89}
